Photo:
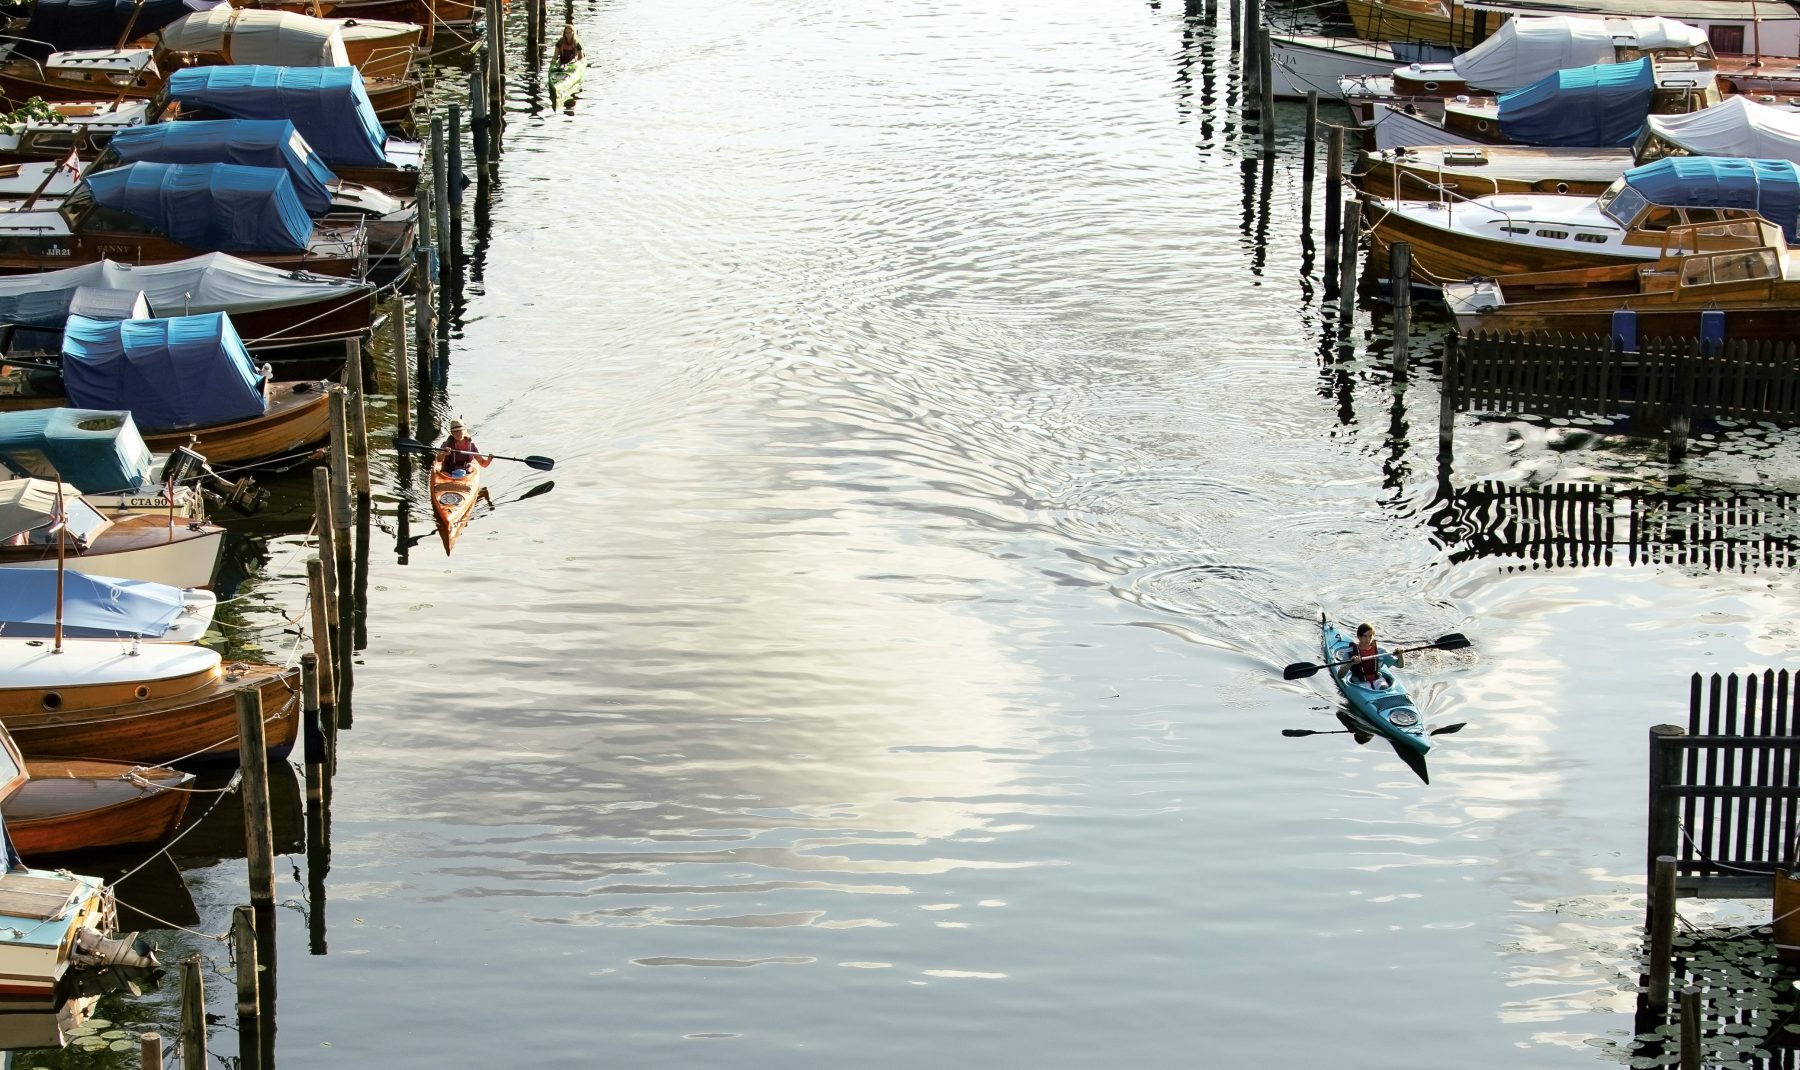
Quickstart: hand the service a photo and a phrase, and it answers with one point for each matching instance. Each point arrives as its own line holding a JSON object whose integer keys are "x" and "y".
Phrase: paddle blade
{"x": 412, "y": 445}
{"x": 1453, "y": 641}
{"x": 540, "y": 462}
{"x": 1296, "y": 733}
{"x": 1450, "y": 728}
{"x": 1299, "y": 669}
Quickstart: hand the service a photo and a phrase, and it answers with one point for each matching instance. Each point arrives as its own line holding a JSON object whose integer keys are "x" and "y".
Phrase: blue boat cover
{"x": 94, "y": 607}
{"x": 329, "y": 105}
{"x": 73, "y": 24}
{"x": 173, "y": 374}
{"x": 95, "y": 452}
{"x": 1581, "y": 107}
{"x": 250, "y": 142}
{"x": 214, "y": 207}
{"x": 1770, "y": 187}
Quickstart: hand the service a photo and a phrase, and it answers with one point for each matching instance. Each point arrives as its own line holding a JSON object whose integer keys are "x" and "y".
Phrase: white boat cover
{"x": 1736, "y": 126}
{"x": 100, "y": 303}
{"x": 279, "y": 38}
{"x": 1660, "y": 34}
{"x": 1523, "y": 51}
{"x": 213, "y": 282}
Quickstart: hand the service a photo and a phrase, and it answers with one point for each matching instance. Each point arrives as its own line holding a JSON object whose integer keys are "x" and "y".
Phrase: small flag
{"x": 73, "y": 163}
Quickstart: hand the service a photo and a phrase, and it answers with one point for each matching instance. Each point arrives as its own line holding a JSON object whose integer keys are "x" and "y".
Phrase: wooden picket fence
{"x": 1559, "y": 525}
{"x": 1558, "y": 375}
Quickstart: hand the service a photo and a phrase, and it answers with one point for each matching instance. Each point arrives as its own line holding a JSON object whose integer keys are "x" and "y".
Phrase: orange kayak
{"x": 453, "y": 501}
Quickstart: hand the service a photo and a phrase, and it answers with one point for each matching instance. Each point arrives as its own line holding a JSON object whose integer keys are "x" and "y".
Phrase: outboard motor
{"x": 92, "y": 948}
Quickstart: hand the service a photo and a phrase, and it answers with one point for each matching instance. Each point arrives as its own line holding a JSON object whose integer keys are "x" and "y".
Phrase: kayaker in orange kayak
{"x": 459, "y": 454}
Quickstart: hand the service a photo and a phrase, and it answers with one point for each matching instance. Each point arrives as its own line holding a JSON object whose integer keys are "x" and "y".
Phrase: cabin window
{"x": 1704, "y": 215}
{"x": 1515, "y": 230}
{"x": 57, "y": 141}
{"x": 1744, "y": 267}
{"x": 1696, "y": 271}
{"x": 1622, "y": 203}
{"x": 1597, "y": 239}
{"x": 1556, "y": 234}
{"x": 1660, "y": 218}
{"x": 1726, "y": 39}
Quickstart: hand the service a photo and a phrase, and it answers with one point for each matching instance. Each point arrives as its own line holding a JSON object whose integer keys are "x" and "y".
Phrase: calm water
{"x": 946, "y": 468}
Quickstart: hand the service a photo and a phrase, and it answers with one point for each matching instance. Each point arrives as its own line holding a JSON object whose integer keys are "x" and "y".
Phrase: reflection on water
{"x": 951, "y": 447}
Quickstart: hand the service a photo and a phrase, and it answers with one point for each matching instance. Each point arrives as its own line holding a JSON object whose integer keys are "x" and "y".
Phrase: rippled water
{"x": 946, "y": 467}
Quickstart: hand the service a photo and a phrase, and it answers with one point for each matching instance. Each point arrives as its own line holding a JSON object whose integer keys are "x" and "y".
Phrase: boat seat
{"x": 36, "y": 895}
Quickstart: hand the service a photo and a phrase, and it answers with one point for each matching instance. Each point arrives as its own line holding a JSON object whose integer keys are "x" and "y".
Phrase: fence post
{"x": 1665, "y": 817}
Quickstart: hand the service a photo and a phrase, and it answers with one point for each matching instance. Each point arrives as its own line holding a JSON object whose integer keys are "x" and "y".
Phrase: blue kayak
{"x": 1386, "y": 711}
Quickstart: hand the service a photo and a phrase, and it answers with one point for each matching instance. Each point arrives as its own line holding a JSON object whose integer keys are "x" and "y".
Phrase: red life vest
{"x": 1369, "y": 671}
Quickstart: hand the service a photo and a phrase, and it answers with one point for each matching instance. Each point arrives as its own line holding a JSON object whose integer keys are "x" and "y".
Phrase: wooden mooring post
{"x": 253, "y": 759}
{"x": 1334, "y": 192}
{"x": 150, "y": 1051}
{"x": 193, "y": 1015}
{"x": 1348, "y": 258}
{"x": 1266, "y": 81}
{"x": 478, "y": 124}
{"x": 403, "y": 383}
{"x": 358, "y": 413}
{"x": 1309, "y": 163}
{"x": 321, "y": 629}
{"x": 440, "y": 196}
{"x": 313, "y": 739}
{"x": 1400, "y": 282}
{"x": 453, "y": 147}
{"x": 1662, "y": 934}
{"x": 1690, "y": 1028}
{"x": 243, "y": 949}
{"x": 324, "y": 526}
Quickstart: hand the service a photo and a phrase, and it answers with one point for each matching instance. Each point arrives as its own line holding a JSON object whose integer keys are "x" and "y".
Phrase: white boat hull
{"x": 1395, "y": 129}
{"x": 188, "y": 562}
{"x": 1303, "y": 64}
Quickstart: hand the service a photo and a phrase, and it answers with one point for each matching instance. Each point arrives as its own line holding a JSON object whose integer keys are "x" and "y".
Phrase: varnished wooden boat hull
{"x": 197, "y": 729}
{"x": 1424, "y": 178}
{"x": 75, "y": 805}
{"x": 1440, "y": 256}
{"x": 31, "y": 255}
{"x": 392, "y": 98}
{"x": 452, "y": 503}
{"x": 299, "y": 417}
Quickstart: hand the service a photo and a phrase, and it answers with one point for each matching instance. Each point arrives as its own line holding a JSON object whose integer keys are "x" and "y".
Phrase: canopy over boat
{"x": 328, "y": 105}
{"x": 1736, "y": 126}
{"x": 249, "y": 142}
{"x": 29, "y": 504}
{"x": 214, "y": 206}
{"x": 214, "y": 282}
{"x": 186, "y": 371}
{"x": 247, "y": 35}
{"x": 94, "y": 451}
{"x": 93, "y": 606}
{"x": 73, "y": 24}
{"x": 1525, "y": 50}
{"x": 1581, "y": 107}
{"x": 1768, "y": 187}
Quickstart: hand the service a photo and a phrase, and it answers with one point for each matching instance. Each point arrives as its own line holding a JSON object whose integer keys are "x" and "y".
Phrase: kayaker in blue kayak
{"x": 1367, "y": 661}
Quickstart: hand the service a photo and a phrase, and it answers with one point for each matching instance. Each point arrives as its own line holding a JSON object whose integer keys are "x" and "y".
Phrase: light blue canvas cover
{"x": 214, "y": 207}
{"x": 1769, "y": 187}
{"x": 329, "y": 105}
{"x": 96, "y": 452}
{"x": 250, "y": 142}
{"x": 173, "y": 374}
{"x": 94, "y": 607}
{"x": 1581, "y": 107}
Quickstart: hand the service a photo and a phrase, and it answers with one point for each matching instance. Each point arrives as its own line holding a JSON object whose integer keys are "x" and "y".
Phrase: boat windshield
{"x": 1621, "y": 204}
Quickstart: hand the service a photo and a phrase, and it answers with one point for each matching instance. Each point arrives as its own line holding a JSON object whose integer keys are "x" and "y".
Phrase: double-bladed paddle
{"x": 1453, "y": 641}
{"x": 537, "y": 461}
{"x": 1295, "y": 733}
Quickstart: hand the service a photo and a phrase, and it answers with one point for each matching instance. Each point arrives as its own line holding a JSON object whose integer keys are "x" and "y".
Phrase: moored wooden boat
{"x": 453, "y": 501}
{"x": 177, "y": 551}
{"x": 298, "y": 417}
{"x": 1742, "y": 270}
{"x": 72, "y": 805}
{"x": 1427, "y": 172}
{"x": 156, "y": 704}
